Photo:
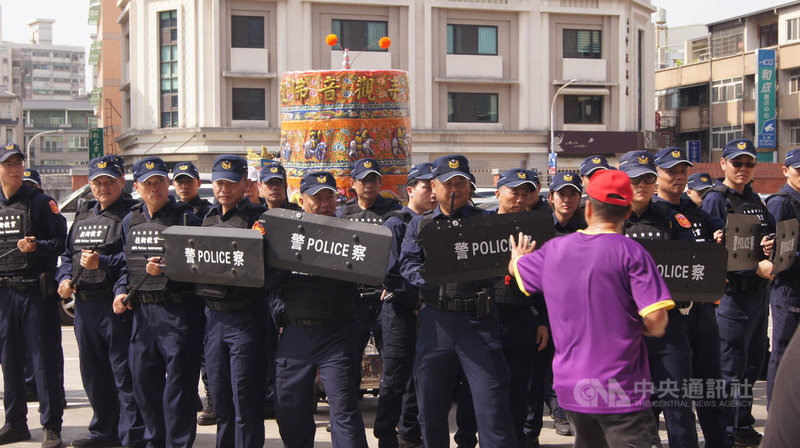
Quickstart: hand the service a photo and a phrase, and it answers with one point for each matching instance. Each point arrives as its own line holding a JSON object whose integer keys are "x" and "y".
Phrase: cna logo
{"x": 591, "y": 392}
{"x": 226, "y": 164}
{"x": 453, "y": 163}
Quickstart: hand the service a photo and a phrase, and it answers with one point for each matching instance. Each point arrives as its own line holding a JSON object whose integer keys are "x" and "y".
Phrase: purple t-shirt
{"x": 597, "y": 288}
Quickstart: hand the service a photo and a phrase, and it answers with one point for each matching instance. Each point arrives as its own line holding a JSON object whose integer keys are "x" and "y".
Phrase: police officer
{"x": 785, "y": 292}
{"x": 319, "y": 333}
{"x": 669, "y": 355}
{"x": 89, "y": 265}
{"x": 453, "y": 330}
{"x": 272, "y": 187}
{"x": 397, "y": 402}
{"x": 368, "y": 206}
{"x": 167, "y": 321}
{"x": 235, "y": 340}
{"x": 591, "y": 166}
{"x": 693, "y": 326}
{"x": 33, "y": 238}
{"x": 32, "y": 179}
{"x": 186, "y": 181}
{"x": 742, "y": 312}
{"x": 536, "y": 200}
{"x": 565, "y": 197}
{"x": 697, "y": 187}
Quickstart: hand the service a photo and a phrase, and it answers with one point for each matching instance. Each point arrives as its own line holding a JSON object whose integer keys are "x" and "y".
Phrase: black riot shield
{"x": 214, "y": 255}
{"x": 741, "y": 240}
{"x": 477, "y": 247}
{"x": 785, "y": 249}
{"x": 694, "y": 272}
{"x": 329, "y": 247}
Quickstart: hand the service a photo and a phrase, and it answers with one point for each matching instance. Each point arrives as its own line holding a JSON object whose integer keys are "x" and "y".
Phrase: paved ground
{"x": 78, "y": 413}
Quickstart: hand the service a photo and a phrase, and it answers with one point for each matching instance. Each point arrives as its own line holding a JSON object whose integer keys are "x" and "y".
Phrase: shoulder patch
{"x": 53, "y": 206}
{"x": 683, "y": 221}
{"x": 258, "y": 226}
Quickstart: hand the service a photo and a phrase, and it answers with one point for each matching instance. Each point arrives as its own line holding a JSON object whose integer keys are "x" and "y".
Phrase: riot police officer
{"x": 319, "y": 333}
{"x": 697, "y": 187}
{"x": 536, "y": 200}
{"x": 167, "y": 321}
{"x": 32, "y": 179}
{"x": 693, "y": 326}
{"x": 785, "y": 291}
{"x": 89, "y": 265}
{"x": 455, "y": 329}
{"x": 235, "y": 339}
{"x": 272, "y": 187}
{"x": 397, "y": 402}
{"x": 591, "y": 166}
{"x": 651, "y": 220}
{"x": 742, "y": 312}
{"x": 186, "y": 181}
{"x": 33, "y": 238}
{"x": 368, "y": 206}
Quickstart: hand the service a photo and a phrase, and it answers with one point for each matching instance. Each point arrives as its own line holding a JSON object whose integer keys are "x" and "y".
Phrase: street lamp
{"x": 28, "y": 147}
{"x": 552, "y": 152}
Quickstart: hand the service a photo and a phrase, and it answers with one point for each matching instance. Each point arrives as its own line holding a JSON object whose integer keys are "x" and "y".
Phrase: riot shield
{"x": 214, "y": 255}
{"x": 329, "y": 247}
{"x": 742, "y": 242}
{"x": 694, "y": 272}
{"x": 785, "y": 249}
{"x": 477, "y": 247}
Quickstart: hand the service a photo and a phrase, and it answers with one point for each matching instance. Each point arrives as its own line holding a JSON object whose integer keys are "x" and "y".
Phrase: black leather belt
{"x": 306, "y": 323}
{"x": 232, "y": 305}
{"x": 17, "y": 282}
{"x": 97, "y": 294}
{"x": 158, "y": 297}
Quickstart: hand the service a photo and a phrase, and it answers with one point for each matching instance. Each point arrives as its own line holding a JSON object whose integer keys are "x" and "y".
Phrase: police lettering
{"x": 490, "y": 247}
{"x": 674, "y": 271}
{"x": 787, "y": 246}
{"x": 746, "y": 243}
{"x": 214, "y": 256}
{"x": 328, "y": 247}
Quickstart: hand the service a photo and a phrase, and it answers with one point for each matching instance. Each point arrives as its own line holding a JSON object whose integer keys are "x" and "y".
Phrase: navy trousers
{"x": 331, "y": 349}
{"x": 30, "y": 323}
{"x": 397, "y": 403}
{"x": 785, "y": 307}
{"x": 235, "y": 344}
{"x": 447, "y": 340}
{"x": 742, "y": 320}
{"x": 165, "y": 361}
{"x": 103, "y": 340}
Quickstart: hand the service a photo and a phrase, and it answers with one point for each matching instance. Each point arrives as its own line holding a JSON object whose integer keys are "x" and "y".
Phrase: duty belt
{"x": 744, "y": 283}
{"x": 480, "y": 304}
{"x": 17, "y": 282}
{"x": 232, "y": 305}
{"x": 97, "y": 294}
{"x": 159, "y": 297}
{"x": 306, "y": 323}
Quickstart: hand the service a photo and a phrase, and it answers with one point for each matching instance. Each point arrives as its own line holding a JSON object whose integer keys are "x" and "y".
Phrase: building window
{"x": 471, "y": 107}
{"x": 768, "y": 35}
{"x": 793, "y": 29}
{"x": 582, "y": 44}
{"x": 727, "y": 41}
{"x": 248, "y": 104}
{"x": 579, "y": 109}
{"x": 471, "y": 39}
{"x": 356, "y": 35}
{"x": 721, "y": 135}
{"x": 247, "y": 32}
{"x": 56, "y": 120}
{"x": 726, "y": 90}
{"x": 168, "y": 24}
{"x": 794, "y": 81}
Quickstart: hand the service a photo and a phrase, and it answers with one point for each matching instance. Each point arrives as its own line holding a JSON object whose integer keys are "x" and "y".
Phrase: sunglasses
{"x": 739, "y": 163}
{"x": 648, "y": 179}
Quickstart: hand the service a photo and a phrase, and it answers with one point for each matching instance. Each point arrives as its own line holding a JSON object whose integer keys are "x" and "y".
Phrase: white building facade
{"x": 202, "y": 78}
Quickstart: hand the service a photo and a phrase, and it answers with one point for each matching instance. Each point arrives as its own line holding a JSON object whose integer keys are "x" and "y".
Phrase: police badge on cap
{"x": 447, "y": 167}
{"x": 316, "y": 181}
{"x": 514, "y": 178}
{"x": 104, "y": 166}
{"x": 593, "y": 163}
{"x": 669, "y": 157}
{"x": 149, "y": 167}
{"x": 9, "y": 150}
{"x": 187, "y": 169}
{"x": 272, "y": 171}
{"x": 637, "y": 163}
{"x": 229, "y": 167}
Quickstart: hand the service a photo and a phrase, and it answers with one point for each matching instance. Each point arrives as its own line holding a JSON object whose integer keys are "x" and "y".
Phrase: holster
{"x": 483, "y": 303}
{"x": 47, "y": 284}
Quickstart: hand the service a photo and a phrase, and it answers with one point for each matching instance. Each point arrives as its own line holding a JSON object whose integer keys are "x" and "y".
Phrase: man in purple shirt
{"x": 600, "y": 314}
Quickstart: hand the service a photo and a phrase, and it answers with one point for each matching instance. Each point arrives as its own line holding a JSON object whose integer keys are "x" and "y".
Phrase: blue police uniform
{"x": 320, "y": 334}
{"x": 29, "y": 324}
{"x": 742, "y": 311}
{"x": 785, "y": 291}
{"x": 235, "y": 343}
{"x": 103, "y": 337}
{"x": 449, "y": 339}
{"x": 397, "y": 402}
{"x": 166, "y": 340}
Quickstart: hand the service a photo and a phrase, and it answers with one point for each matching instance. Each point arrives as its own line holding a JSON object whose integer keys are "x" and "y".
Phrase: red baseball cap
{"x": 611, "y": 187}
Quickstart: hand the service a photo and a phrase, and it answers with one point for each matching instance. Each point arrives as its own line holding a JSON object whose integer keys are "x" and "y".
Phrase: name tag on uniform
{"x": 11, "y": 225}
{"x": 146, "y": 241}
{"x": 90, "y": 234}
